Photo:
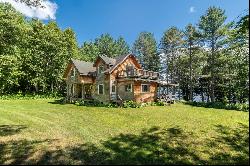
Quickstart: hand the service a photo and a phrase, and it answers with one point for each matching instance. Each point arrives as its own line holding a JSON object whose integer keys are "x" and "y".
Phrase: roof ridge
{"x": 80, "y": 60}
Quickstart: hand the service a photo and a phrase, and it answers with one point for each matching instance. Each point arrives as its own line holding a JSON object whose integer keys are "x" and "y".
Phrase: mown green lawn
{"x": 44, "y": 132}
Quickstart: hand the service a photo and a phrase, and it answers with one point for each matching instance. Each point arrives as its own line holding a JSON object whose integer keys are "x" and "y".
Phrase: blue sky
{"x": 127, "y": 18}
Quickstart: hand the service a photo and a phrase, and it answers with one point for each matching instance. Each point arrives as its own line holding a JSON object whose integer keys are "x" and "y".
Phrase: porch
{"x": 76, "y": 91}
{"x": 167, "y": 92}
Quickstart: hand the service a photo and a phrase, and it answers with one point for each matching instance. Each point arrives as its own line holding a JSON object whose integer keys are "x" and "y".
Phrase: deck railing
{"x": 138, "y": 73}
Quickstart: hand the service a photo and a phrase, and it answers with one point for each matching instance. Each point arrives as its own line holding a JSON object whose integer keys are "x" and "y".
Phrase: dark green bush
{"x": 125, "y": 104}
{"x": 131, "y": 104}
{"x": 220, "y": 105}
{"x": 28, "y": 96}
{"x": 95, "y": 103}
{"x": 159, "y": 103}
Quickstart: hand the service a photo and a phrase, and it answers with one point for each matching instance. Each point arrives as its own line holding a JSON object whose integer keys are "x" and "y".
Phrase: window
{"x": 72, "y": 89}
{"x": 130, "y": 69}
{"x": 100, "y": 89}
{"x": 128, "y": 88}
{"x": 100, "y": 69}
{"x": 73, "y": 72}
{"x": 145, "y": 88}
{"x": 113, "y": 89}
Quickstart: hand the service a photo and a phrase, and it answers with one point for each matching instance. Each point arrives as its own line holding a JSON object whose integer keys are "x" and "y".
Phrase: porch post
{"x": 82, "y": 91}
{"x": 67, "y": 90}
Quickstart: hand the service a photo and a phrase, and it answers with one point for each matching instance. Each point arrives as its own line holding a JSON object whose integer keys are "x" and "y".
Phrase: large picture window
{"x": 100, "y": 89}
{"x": 145, "y": 88}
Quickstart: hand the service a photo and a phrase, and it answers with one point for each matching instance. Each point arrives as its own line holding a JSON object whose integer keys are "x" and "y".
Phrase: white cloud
{"x": 47, "y": 12}
{"x": 192, "y": 9}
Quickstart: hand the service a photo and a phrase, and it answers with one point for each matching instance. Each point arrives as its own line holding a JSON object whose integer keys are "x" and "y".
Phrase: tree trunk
{"x": 36, "y": 87}
{"x": 190, "y": 74}
{"x": 202, "y": 96}
{"x": 212, "y": 72}
{"x": 52, "y": 87}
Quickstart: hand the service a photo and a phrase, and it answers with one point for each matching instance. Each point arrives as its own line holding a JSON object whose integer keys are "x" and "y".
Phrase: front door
{"x": 87, "y": 90}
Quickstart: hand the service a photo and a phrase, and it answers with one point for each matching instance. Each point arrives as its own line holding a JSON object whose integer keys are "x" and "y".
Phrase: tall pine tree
{"x": 145, "y": 48}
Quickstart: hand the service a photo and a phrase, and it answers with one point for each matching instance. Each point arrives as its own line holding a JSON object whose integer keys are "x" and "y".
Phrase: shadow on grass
{"x": 58, "y": 101}
{"x": 151, "y": 146}
{"x": 236, "y": 141}
{"x": 7, "y": 130}
{"x": 20, "y": 151}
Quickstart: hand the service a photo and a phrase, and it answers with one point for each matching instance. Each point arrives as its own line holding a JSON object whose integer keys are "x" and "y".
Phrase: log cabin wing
{"x": 110, "y": 80}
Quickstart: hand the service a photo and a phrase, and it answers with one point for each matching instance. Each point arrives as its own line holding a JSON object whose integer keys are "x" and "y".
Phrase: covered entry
{"x": 79, "y": 91}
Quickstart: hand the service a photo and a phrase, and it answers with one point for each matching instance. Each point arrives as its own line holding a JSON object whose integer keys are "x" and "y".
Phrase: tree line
{"x": 209, "y": 59}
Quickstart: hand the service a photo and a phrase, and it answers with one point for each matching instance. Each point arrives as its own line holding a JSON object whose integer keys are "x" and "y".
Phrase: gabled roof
{"x": 84, "y": 68}
{"x": 88, "y": 68}
{"x": 113, "y": 61}
{"x": 120, "y": 59}
{"x": 107, "y": 60}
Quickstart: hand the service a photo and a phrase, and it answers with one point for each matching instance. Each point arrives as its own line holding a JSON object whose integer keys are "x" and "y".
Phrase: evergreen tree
{"x": 145, "y": 48}
{"x": 171, "y": 46}
{"x": 121, "y": 46}
{"x": 191, "y": 43}
{"x": 212, "y": 28}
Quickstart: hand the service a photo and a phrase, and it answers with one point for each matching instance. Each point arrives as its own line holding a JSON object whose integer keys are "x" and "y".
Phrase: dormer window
{"x": 100, "y": 69}
{"x": 73, "y": 73}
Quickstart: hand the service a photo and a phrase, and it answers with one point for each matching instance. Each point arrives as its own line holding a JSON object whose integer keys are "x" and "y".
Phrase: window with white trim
{"x": 73, "y": 72}
{"x": 145, "y": 88}
{"x": 100, "y": 69}
{"x": 128, "y": 88}
{"x": 101, "y": 89}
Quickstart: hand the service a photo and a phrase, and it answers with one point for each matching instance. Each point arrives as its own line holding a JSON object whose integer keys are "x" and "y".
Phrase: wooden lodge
{"x": 113, "y": 80}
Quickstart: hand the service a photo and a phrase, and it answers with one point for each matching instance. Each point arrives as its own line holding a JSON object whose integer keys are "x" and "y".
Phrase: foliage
{"x": 213, "y": 30}
{"x": 220, "y": 105}
{"x": 125, "y": 104}
{"x": 209, "y": 59}
{"x": 110, "y": 47}
{"x": 32, "y": 3}
{"x": 103, "y": 45}
{"x": 192, "y": 48}
{"x": 27, "y": 96}
{"x": 145, "y": 48}
{"x": 89, "y": 52}
{"x": 95, "y": 103}
{"x": 159, "y": 103}
{"x": 33, "y": 55}
{"x": 171, "y": 43}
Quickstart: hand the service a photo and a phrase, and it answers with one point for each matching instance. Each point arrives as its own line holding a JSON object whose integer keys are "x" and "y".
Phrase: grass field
{"x": 44, "y": 132}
